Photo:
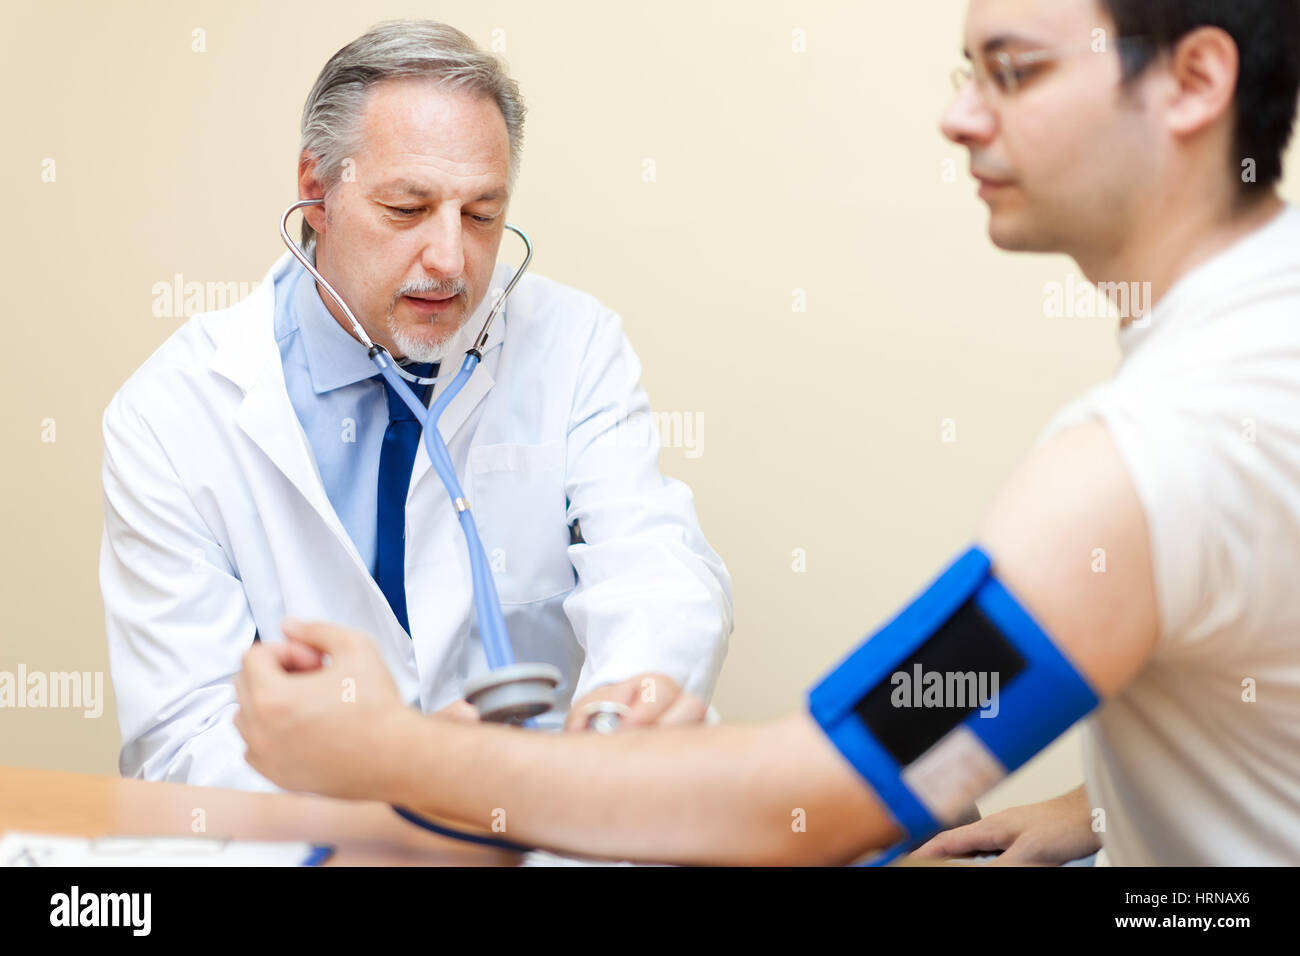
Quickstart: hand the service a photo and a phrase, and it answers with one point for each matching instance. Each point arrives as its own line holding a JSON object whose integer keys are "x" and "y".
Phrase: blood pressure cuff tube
{"x": 953, "y": 694}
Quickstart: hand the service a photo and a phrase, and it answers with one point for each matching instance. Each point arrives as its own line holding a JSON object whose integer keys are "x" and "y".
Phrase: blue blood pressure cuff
{"x": 957, "y": 691}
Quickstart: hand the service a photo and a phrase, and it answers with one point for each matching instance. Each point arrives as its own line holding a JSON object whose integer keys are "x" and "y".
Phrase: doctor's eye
{"x": 482, "y": 220}
{"x": 401, "y": 211}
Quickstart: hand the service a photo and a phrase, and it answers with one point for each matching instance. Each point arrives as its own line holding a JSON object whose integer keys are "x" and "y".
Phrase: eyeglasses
{"x": 1006, "y": 72}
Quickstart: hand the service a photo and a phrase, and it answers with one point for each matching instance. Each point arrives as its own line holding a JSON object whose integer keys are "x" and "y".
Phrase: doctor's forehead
{"x": 446, "y": 139}
{"x": 994, "y": 24}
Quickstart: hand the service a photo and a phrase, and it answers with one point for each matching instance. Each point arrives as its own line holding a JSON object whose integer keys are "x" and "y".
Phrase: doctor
{"x": 256, "y": 467}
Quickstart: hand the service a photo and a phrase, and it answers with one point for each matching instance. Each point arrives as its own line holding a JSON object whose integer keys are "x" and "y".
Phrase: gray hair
{"x": 331, "y": 117}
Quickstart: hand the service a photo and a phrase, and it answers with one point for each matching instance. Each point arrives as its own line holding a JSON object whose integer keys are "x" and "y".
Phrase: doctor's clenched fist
{"x": 317, "y": 725}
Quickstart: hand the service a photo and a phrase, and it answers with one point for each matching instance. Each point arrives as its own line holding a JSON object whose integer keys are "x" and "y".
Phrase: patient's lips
{"x": 991, "y": 185}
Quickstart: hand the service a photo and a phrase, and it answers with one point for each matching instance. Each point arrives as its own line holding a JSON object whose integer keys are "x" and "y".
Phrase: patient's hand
{"x": 652, "y": 699}
{"x": 1048, "y": 833}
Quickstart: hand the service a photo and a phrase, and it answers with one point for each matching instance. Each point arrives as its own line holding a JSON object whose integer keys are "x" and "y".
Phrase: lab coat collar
{"x": 334, "y": 358}
{"x": 246, "y": 353}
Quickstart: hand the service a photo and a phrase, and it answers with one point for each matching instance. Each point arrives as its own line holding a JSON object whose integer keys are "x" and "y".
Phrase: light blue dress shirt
{"x": 336, "y": 391}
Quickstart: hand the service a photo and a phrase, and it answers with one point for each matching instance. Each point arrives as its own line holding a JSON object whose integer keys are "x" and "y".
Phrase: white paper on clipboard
{"x": 44, "y": 849}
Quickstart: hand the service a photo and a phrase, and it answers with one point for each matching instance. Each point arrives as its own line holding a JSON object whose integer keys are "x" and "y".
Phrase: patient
{"x": 1152, "y": 159}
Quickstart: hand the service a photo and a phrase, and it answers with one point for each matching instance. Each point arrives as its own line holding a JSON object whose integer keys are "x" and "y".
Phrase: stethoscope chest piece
{"x": 515, "y": 693}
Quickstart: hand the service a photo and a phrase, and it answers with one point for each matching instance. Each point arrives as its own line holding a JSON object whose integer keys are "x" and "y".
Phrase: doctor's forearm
{"x": 727, "y": 794}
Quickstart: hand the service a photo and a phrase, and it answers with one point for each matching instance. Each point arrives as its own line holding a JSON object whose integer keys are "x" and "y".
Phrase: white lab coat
{"x": 217, "y": 525}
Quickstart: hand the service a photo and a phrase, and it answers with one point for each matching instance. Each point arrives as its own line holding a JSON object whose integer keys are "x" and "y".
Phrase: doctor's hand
{"x": 461, "y": 711}
{"x": 318, "y": 724}
{"x": 653, "y": 700}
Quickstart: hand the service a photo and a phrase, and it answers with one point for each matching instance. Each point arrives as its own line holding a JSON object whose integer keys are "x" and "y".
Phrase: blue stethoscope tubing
{"x": 487, "y": 604}
{"x": 425, "y": 823}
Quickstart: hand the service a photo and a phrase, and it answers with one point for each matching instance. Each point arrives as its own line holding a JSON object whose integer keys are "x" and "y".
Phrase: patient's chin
{"x": 1014, "y": 236}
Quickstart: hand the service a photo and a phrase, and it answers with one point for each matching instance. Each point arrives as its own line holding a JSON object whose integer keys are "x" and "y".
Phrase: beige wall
{"x": 774, "y": 170}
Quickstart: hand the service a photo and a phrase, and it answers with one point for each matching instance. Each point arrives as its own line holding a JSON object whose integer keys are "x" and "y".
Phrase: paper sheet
{"x": 41, "y": 849}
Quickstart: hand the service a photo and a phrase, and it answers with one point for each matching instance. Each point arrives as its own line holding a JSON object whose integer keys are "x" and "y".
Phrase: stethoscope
{"x": 509, "y": 692}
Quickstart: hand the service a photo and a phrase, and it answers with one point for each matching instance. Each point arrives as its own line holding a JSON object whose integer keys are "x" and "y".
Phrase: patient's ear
{"x": 1205, "y": 65}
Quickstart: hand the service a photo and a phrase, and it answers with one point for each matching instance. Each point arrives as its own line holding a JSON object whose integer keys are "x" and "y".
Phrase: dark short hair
{"x": 1267, "y": 34}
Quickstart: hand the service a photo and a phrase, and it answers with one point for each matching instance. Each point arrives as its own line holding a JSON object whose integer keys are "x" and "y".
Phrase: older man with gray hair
{"x": 256, "y": 467}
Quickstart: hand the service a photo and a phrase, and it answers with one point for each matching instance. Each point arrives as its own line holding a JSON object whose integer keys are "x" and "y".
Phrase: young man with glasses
{"x": 1145, "y": 139}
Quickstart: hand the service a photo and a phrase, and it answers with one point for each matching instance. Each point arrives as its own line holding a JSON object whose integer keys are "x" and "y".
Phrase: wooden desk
{"x": 363, "y": 834}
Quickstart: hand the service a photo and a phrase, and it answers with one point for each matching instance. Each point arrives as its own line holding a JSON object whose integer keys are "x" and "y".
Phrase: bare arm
{"x": 1069, "y": 539}
{"x": 1105, "y": 620}
{"x": 778, "y": 793}
{"x": 715, "y": 794}
{"x": 727, "y": 794}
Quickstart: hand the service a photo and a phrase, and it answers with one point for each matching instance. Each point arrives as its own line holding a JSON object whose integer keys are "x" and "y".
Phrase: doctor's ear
{"x": 315, "y": 216}
{"x": 309, "y": 187}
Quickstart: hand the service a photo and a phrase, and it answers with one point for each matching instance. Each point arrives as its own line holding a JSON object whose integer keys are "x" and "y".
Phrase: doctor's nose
{"x": 443, "y": 254}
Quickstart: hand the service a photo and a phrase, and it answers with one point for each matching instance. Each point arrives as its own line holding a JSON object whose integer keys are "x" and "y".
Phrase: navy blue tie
{"x": 395, "y": 463}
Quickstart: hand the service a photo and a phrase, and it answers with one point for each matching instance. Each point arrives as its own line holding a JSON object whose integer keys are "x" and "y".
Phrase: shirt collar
{"x": 334, "y": 358}
{"x": 1203, "y": 291}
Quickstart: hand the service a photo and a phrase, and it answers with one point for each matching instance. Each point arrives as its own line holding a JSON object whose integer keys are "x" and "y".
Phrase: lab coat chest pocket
{"x": 517, "y": 495}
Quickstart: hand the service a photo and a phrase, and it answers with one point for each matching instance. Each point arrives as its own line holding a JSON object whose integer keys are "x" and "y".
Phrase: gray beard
{"x": 417, "y": 348}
